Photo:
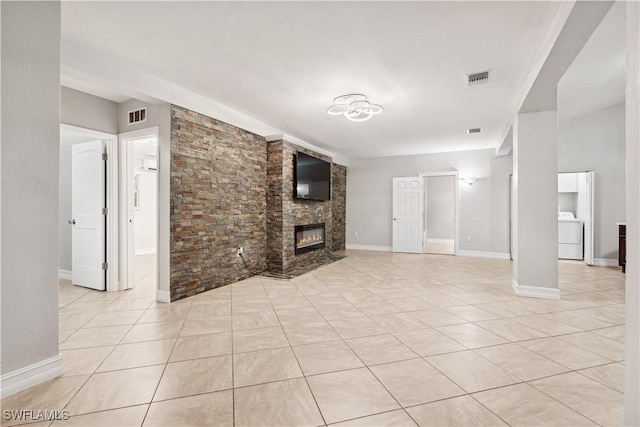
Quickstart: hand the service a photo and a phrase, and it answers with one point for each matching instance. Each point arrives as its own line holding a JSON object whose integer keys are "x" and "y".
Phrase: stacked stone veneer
{"x": 218, "y": 202}
{"x": 229, "y": 188}
{"x": 338, "y": 206}
{"x": 284, "y": 211}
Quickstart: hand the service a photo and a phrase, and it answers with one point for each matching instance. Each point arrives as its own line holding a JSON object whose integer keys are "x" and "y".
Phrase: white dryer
{"x": 570, "y": 236}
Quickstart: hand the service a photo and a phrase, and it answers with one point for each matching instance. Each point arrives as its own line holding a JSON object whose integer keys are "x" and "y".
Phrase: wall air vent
{"x": 137, "y": 116}
{"x": 477, "y": 78}
{"x": 474, "y": 130}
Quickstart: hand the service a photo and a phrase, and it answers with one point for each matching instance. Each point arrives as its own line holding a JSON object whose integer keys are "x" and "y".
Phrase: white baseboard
{"x": 536, "y": 291}
{"x": 146, "y": 251}
{"x": 65, "y": 274}
{"x": 445, "y": 241}
{"x": 480, "y": 254}
{"x": 29, "y": 376}
{"x": 368, "y": 247}
{"x": 605, "y": 262}
{"x": 163, "y": 296}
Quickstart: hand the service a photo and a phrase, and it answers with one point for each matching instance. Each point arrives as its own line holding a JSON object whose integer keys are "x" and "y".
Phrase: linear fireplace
{"x": 309, "y": 237}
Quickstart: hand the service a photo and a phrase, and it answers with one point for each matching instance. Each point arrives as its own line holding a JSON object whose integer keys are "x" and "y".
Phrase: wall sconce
{"x": 470, "y": 180}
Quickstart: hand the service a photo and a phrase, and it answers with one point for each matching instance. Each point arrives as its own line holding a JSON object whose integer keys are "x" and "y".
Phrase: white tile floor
{"x": 373, "y": 339}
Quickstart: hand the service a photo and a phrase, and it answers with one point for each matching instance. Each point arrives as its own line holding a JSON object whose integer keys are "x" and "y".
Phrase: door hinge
{"x": 105, "y": 265}
{"x": 105, "y": 211}
{"x": 105, "y": 156}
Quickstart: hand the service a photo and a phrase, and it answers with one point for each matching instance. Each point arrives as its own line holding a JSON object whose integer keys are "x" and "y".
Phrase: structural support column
{"x": 534, "y": 216}
{"x": 632, "y": 288}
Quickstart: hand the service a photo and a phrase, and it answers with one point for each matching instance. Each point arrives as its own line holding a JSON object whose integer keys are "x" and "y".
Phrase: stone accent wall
{"x": 218, "y": 202}
{"x": 338, "y": 205}
{"x": 284, "y": 209}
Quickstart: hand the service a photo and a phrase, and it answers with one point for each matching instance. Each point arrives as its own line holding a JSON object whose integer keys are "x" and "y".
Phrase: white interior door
{"x": 89, "y": 225}
{"x": 588, "y": 221}
{"x": 407, "y": 214}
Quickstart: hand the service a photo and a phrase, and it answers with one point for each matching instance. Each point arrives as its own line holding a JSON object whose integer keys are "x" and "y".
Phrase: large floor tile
{"x": 283, "y": 403}
{"x": 308, "y": 333}
{"x": 168, "y": 314}
{"x": 397, "y": 418}
{"x": 415, "y": 381}
{"x": 471, "y": 336}
{"x": 112, "y": 318}
{"x": 205, "y": 310}
{"x": 428, "y": 342}
{"x": 611, "y": 375}
{"x": 153, "y": 331}
{"x": 210, "y": 325}
{"x": 523, "y": 405}
{"x": 435, "y": 317}
{"x": 95, "y": 337}
{"x": 356, "y": 327}
{"x": 520, "y": 362}
{"x": 380, "y": 349}
{"x": 116, "y": 389}
{"x": 510, "y": 330}
{"x": 463, "y": 411}
{"x": 197, "y": 376}
{"x": 83, "y": 361}
{"x": 138, "y": 354}
{"x": 325, "y": 357}
{"x": 606, "y": 347}
{"x": 565, "y": 353}
{"x": 259, "y": 339}
{"x": 471, "y": 372}
{"x": 297, "y": 316}
{"x": 260, "y": 319}
{"x": 212, "y": 409}
{"x": 51, "y": 395}
{"x": 350, "y": 394}
{"x": 200, "y": 346}
{"x": 124, "y": 417}
{"x": 546, "y": 326}
{"x": 471, "y": 313}
{"x": 264, "y": 366}
{"x": 397, "y": 322}
{"x": 590, "y": 398}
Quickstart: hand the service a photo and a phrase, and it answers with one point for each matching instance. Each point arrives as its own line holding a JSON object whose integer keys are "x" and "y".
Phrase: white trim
{"x": 112, "y": 237}
{"x": 535, "y": 291}
{"x": 163, "y": 296}
{"x": 605, "y": 262}
{"x": 146, "y": 251}
{"x": 480, "y": 254}
{"x": 368, "y": 247}
{"x": 127, "y": 245}
{"x": 29, "y": 376}
{"x": 456, "y": 207}
{"x": 65, "y": 274}
{"x": 445, "y": 241}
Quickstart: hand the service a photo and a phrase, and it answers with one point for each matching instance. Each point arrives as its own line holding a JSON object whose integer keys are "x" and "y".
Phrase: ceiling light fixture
{"x": 354, "y": 107}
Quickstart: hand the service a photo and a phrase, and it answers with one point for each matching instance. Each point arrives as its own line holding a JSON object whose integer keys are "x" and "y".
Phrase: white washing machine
{"x": 570, "y": 236}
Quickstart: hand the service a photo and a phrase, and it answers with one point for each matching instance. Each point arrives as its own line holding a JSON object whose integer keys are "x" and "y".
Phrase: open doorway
{"x": 86, "y": 229}
{"x": 139, "y": 208}
{"x": 440, "y": 214}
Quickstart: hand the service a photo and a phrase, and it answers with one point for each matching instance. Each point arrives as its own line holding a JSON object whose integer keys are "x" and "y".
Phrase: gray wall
{"x": 87, "y": 111}
{"x": 440, "y": 206}
{"x": 596, "y": 141}
{"x": 29, "y": 160}
{"x": 483, "y": 206}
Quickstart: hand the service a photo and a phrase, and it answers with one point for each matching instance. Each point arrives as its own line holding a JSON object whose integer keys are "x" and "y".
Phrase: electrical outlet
{"x": 468, "y": 238}
{"x": 240, "y": 251}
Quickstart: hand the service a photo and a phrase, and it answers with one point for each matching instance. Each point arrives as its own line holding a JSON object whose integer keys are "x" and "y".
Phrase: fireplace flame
{"x": 313, "y": 238}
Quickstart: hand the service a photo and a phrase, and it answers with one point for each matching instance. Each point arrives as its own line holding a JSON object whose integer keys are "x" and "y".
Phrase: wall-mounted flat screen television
{"x": 312, "y": 178}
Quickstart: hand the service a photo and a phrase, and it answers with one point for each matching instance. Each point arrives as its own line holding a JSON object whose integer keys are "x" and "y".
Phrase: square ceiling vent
{"x": 478, "y": 78}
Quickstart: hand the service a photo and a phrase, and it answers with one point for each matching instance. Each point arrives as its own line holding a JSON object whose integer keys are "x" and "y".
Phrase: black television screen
{"x": 313, "y": 178}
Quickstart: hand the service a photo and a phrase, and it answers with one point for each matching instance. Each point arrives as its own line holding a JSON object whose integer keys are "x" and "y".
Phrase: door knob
{"x": 395, "y": 219}
{"x": 72, "y": 221}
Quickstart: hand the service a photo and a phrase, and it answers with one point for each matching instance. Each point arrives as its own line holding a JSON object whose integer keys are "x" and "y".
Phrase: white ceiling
{"x": 283, "y": 63}
{"x": 596, "y": 79}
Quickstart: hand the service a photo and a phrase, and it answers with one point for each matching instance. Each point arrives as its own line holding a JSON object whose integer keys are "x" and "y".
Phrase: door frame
{"x": 110, "y": 142}
{"x": 127, "y": 229}
{"x": 456, "y": 207}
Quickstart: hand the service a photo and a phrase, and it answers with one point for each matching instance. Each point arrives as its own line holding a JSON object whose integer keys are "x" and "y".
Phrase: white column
{"x": 535, "y": 217}
{"x": 632, "y": 294}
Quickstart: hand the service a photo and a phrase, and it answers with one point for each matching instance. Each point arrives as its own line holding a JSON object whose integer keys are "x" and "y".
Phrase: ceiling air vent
{"x": 138, "y": 116}
{"x": 474, "y": 130}
{"x": 477, "y": 78}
